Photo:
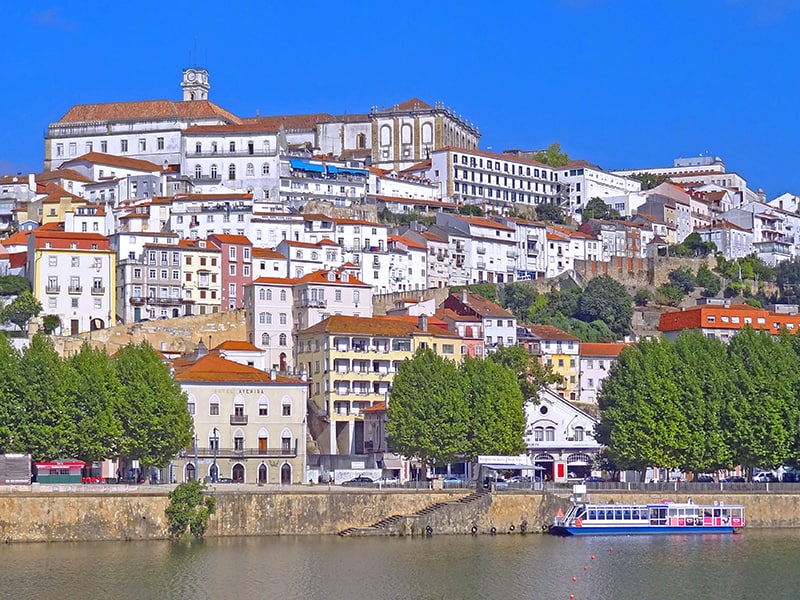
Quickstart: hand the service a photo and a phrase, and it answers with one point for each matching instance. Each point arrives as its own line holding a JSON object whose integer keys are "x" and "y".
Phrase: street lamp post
{"x": 196, "y": 472}
{"x": 214, "y": 466}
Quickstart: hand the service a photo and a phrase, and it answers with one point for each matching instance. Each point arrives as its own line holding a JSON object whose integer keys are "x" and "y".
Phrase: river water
{"x": 753, "y": 565}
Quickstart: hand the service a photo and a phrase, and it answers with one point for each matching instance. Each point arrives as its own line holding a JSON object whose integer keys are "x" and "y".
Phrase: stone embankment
{"x": 89, "y": 513}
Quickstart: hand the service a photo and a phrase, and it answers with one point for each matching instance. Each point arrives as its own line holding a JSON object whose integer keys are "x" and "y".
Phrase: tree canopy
{"x": 649, "y": 180}
{"x": 597, "y": 209}
{"x": 550, "y": 213}
{"x": 552, "y": 156}
{"x": 699, "y": 405}
{"x": 21, "y": 310}
{"x": 606, "y": 300}
{"x": 13, "y": 285}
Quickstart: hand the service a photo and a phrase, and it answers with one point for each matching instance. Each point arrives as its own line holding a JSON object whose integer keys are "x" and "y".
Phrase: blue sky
{"x": 623, "y": 84}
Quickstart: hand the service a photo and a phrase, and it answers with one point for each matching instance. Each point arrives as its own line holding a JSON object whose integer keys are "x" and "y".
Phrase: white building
{"x": 489, "y": 253}
{"x": 584, "y": 181}
{"x": 595, "y": 362}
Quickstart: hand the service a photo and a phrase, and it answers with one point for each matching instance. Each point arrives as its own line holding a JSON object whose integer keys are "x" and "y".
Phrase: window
{"x": 190, "y": 405}
{"x": 283, "y": 295}
{"x": 265, "y": 339}
{"x": 265, "y": 169}
{"x": 160, "y": 143}
{"x": 76, "y": 261}
{"x": 231, "y": 171}
{"x": 232, "y": 146}
{"x": 263, "y": 408}
{"x": 250, "y": 170}
{"x": 550, "y": 434}
{"x": 282, "y": 319}
{"x": 198, "y": 171}
{"x": 213, "y": 172}
{"x": 538, "y": 434}
{"x": 232, "y": 290}
{"x": 213, "y": 406}
{"x": 286, "y": 408}
{"x": 578, "y": 434}
{"x": 104, "y": 146}
{"x": 282, "y": 340}
{"x": 142, "y": 145}
{"x": 123, "y": 145}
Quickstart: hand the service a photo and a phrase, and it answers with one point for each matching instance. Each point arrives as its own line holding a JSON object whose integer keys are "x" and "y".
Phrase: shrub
{"x": 189, "y": 509}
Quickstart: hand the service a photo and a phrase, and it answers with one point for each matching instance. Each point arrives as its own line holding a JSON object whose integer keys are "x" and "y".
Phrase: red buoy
{"x": 585, "y": 567}
{"x": 574, "y": 578}
{"x": 592, "y": 556}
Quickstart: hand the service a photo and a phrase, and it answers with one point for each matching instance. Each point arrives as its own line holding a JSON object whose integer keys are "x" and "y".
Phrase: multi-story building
{"x": 558, "y": 349}
{"x": 730, "y": 239}
{"x": 250, "y": 425}
{"x": 237, "y": 265}
{"x": 499, "y": 326}
{"x": 201, "y": 277}
{"x": 73, "y": 276}
{"x": 306, "y": 257}
{"x": 351, "y": 362}
{"x": 488, "y": 179}
{"x": 269, "y": 263}
{"x": 489, "y": 251}
{"x": 719, "y": 318}
{"x": 595, "y": 362}
{"x": 583, "y": 181}
{"x": 408, "y": 264}
{"x": 198, "y": 216}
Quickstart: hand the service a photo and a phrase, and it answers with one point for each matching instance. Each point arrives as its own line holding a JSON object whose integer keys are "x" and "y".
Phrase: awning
{"x": 392, "y": 463}
{"x": 505, "y": 466}
{"x": 303, "y": 165}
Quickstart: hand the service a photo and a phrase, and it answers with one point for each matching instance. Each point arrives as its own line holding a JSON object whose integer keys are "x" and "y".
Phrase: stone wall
{"x": 106, "y": 513}
{"x": 180, "y": 334}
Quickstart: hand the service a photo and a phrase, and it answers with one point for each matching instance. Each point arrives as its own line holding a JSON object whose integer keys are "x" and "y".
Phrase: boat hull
{"x": 638, "y": 530}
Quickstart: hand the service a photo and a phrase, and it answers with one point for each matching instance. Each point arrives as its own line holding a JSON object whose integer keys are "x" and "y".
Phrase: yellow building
{"x": 561, "y": 351}
{"x": 202, "y": 277}
{"x": 351, "y": 362}
{"x": 248, "y": 423}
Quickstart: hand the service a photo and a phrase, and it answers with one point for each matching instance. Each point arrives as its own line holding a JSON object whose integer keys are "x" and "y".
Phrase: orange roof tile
{"x": 229, "y": 238}
{"x": 267, "y": 253}
{"x": 213, "y": 367}
{"x": 483, "y": 222}
{"x": 143, "y": 109}
{"x": 380, "y": 325}
{"x": 111, "y": 160}
{"x": 548, "y": 332}
{"x": 611, "y": 349}
{"x": 237, "y": 345}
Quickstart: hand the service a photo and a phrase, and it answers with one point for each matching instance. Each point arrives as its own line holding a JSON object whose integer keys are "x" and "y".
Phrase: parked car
{"x": 791, "y": 477}
{"x": 224, "y": 480}
{"x": 703, "y": 479}
{"x": 452, "y": 481}
{"x": 594, "y": 479}
{"x": 765, "y": 477}
{"x": 387, "y": 482}
{"x": 733, "y": 479}
{"x": 360, "y": 481}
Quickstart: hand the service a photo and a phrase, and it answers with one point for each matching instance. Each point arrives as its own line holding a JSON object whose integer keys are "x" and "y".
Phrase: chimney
{"x": 464, "y": 296}
{"x": 273, "y": 375}
{"x": 423, "y": 322}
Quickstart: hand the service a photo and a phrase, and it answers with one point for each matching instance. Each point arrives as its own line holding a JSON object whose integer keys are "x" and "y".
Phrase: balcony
{"x": 235, "y": 452}
{"x": 136, "y": 300}
{"x": 238, "y": 419}
{"x": 52, "y": 289}
{"x": 512, "y": 253}
{"x": 533, "y": 252}
{"x": 75, "y": 289}
{"x": 227, "y": 153}
{"x": 98, "y": 290}
{"x": 481, "y": 250}
{"x": 510, "y": 268}
{"x": 480, "y": 264}
{"x": 312, "y": 303}
{"x": 165, "y": 301}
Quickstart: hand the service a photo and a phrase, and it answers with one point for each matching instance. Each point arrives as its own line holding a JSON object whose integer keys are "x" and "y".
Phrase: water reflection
{"x": 756, "y": 564}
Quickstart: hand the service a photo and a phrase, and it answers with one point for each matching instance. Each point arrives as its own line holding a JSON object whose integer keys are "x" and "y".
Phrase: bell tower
{"x": 195, "y": 84}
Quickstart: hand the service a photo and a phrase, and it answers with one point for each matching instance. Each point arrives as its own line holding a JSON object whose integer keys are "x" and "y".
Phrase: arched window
{"x": 282, "y": 318}
{"x": 427, "y": 133}
{"x": 268, "y": 318}
{"x": 282, "y": 340}
{"x": 262, "y": 318}
{"x": 262, "y": 294}
{"x": 238, "y": 437}
{"x": 386, "y": 136}
{"x": 265, "y": 169}
{"x": 213, "y": 405}
{"x": 579, "y": 434}
{"x": 361, "y": 141}
{"x": 232, "y": 171}
{"x": 214, "y": 171}
{"x": 405, "y": 134}
{"x": 198, "y": 171}
{"x": 538, "y": 434}
{"x": 550, "y": 434}
{"x": 265, "y": 339}
{"x": 269, "y": 294}
{"x": 283, "y": 295}
{"x": 250, "y": 170}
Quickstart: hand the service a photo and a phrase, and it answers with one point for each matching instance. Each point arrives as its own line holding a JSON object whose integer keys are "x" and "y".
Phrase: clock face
{"x": 191, "y": 75}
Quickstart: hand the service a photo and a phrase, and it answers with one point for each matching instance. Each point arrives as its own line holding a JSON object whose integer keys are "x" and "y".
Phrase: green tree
{"x": 683, "y": 279}
{"x": 642, "y": 297}
{"x": 597, "y": 209}
{"x": 13, "y": 285}
{"x": 50, "y": 323}
{"x": 45, "y": 426}
{"x": 550, "y": 213}
{"x": 670, "y": 294}
{"x": 21, "y": 310}
{"x": 517, "y": 298}
{"x": 640, "y": 412}
{"x": 710, "y": 283}
{"x": 649, "y": 180}
{"x": 152, "y": 407}
{"x": 189, "y": 509}
{"x": 12, "y": 412}
{"x": 531, "y": 375}
{"x": 470, "y": 210}
{"x": 496, "y": 411}
{"x": 95, "y": 391}
{"x": 787, "y": 277}
{"x": 705, "y": 380}
{"x": 764, "y": 411}
{"x": 428, "y": 411}
{"x": 606, "y": 299}
{"x": 552, "y": 156}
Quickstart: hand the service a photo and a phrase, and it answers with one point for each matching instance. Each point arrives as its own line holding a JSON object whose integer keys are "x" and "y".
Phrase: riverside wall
{"x": 87, "y": 515}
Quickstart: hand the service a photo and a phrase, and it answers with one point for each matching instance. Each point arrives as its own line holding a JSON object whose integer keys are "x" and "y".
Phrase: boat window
{"x": 601, "y": 514}
{"x": 618, "y": 515}
{"x": 635, "y": 513}
{"x": 592, "y": 514}
{"x": 627, "y": 515}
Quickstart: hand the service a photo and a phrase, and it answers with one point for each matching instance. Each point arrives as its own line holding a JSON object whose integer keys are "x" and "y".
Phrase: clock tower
{"x": 195, "y": 84}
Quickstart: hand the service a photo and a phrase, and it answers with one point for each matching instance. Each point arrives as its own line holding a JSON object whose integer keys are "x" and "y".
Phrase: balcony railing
{"x": 136, "y": 300}
{"x": 481, "y": 250}
{"x": 224, "y": 153}
{"x": 52, "y": 289}
{"x": 75, "y": 289}
{"x": 238, "y": 419}
{"x": 312, "y": 303}
{"x": 98, "y": 291}
{"x": 235, "y": 452}
{"x": 164, "y": 301}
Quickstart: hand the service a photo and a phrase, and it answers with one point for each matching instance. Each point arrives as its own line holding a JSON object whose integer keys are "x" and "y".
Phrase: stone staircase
{"x": 389, "y": 525}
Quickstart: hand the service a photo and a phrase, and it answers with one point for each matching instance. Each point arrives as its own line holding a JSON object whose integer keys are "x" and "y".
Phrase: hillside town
{"x": 336, "y": 240}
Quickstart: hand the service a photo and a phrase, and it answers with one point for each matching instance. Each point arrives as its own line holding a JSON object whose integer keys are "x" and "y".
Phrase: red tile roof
{"x": 217, "y": 369}
{"x": 143, "y": 109}
{"x": 237, "y": 345}
{"x": 123, "y": 162}
{"x": 229, "y": 238}
{"x": 267, "y": 253}
{"x": 548, "y": 332}
{"x": 483, "y": 222}
{"x": 379, "y": 326}
{"x": 602, "y": 349}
